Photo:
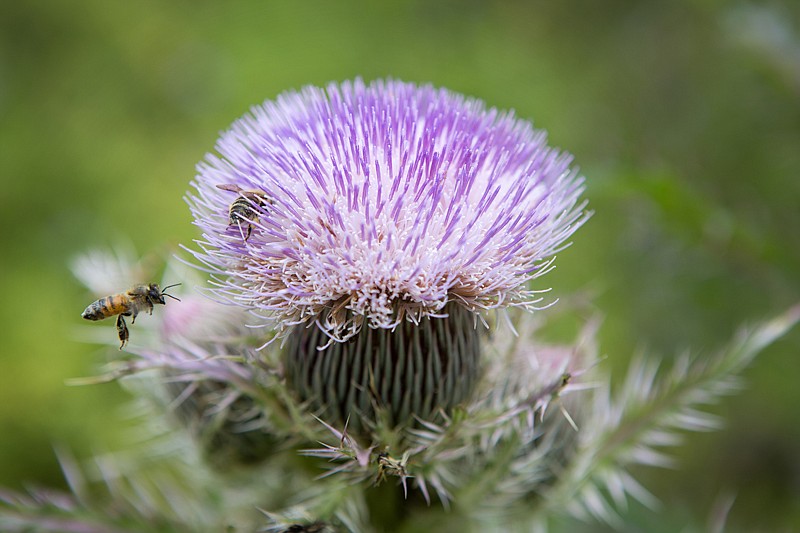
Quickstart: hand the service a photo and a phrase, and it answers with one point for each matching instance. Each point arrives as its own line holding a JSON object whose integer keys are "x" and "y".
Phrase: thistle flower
{"x": 379, "y": 222}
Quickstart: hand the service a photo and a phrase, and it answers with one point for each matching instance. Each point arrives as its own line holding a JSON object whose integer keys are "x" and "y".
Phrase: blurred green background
{"x": 684, "y": 117}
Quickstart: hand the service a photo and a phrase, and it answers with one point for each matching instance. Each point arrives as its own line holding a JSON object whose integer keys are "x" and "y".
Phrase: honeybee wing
{"x": 255, "y": 194}
{"x": 230, "y": 187}
{"x": 106, "y": 272}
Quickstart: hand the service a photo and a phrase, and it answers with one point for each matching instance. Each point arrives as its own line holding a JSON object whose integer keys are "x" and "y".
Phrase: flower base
{"x": 415, "y": 370}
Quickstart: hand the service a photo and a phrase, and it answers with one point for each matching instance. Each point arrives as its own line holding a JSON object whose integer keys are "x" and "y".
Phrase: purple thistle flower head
{"x": 372, "y": 224}
{"x": 370, "y": 205}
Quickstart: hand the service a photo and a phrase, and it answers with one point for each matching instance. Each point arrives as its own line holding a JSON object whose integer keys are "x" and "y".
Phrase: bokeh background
{"x": 684, "y": 117}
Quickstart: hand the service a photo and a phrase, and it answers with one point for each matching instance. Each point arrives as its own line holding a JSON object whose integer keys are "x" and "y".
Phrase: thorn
{"x": 569, "y": 418}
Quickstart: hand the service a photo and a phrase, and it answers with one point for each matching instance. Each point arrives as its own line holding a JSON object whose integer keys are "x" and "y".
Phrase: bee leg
{"x": 249, "y": 231}
{"x": 122, "y": 331}
{"x": 133, "y": 321}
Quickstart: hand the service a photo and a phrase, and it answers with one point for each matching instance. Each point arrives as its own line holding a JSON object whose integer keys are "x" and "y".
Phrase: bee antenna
{"x": 169, "y": 295}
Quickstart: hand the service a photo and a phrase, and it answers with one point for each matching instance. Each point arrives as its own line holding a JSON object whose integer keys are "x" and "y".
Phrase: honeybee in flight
{"x": 245, "y": 209}
{"x": 135, "y": 300}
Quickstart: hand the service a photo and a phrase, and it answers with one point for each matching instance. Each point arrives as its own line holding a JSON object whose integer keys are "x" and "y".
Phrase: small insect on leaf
{"x": 389, "y": 466}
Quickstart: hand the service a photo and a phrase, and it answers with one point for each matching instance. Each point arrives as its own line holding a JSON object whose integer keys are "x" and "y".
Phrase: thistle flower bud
{"x": 204, "y": 355}
{"x": 230, "y": 428}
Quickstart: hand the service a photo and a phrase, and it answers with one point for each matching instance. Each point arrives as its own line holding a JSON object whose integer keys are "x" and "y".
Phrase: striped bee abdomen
{"x": 106, "y": 307}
